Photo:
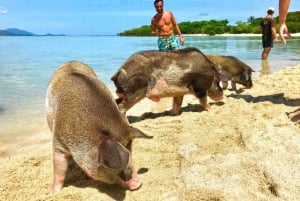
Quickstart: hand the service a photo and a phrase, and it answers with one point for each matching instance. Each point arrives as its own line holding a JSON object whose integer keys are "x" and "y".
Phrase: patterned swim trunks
{"x": 167, "y": 44}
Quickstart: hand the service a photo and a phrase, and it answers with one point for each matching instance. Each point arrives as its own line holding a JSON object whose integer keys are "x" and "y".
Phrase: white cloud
{"x": 3, "y": 10}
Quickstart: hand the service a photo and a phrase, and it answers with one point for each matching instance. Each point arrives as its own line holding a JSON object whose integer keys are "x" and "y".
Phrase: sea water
{"x": 27, "y": 64}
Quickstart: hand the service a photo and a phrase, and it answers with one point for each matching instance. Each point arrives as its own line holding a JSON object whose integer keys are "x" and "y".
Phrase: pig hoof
{"x": 206, "y": 107}
{"x": 176, "y": 113}
{"x": 55, "y": 189}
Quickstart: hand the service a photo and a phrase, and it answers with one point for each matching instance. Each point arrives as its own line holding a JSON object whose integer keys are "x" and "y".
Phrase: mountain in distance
{"x": 19, "y": 32}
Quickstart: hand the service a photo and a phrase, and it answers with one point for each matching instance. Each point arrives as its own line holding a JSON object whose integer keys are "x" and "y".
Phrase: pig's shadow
{"x": 273, "y": 98}
{"x": 151, "y": 115}
{"x": 77, "y": 177}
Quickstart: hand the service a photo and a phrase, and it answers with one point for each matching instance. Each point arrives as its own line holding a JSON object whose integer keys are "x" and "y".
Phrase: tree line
{"x": 212, "y": 27}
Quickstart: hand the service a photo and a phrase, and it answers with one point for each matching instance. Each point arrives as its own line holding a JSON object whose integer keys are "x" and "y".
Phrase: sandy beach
{"x": 244, "y": 148}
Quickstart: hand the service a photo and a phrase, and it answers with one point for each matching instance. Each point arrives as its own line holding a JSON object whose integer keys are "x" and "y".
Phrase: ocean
{"x": 27, "y": 63}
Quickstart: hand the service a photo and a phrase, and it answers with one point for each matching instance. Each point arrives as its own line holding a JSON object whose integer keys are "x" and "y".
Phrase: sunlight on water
{"x": 27, "y": 63}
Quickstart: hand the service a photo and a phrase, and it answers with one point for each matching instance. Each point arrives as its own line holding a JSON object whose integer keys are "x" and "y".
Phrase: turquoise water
{"x": 27, "y": 63}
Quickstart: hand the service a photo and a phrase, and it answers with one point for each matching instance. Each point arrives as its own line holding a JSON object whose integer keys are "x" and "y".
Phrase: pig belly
{"x": 161, "y": 89}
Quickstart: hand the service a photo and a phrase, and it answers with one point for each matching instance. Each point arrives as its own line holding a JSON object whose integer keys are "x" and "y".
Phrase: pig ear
{"x": 121, "y": 74}
{"x": 136, "y": 133}
{"x": 113, "y": 155}
{"x": 245, "y": 76}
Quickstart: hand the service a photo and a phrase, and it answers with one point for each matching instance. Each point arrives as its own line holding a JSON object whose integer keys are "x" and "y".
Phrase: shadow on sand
{"x": 273, "y": 98}
{"x": 77, "y": 177}
{"x": 151, "y": 115}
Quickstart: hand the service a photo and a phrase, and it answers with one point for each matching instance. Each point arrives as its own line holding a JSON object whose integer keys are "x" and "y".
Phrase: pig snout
{"x": 245, "y": 79}
{"x": 215, "y": 92}
{"x": 129, "y": 180}
{"x": 120, "y": 99}
{"x": 249, "y": 84}
{"x": 216, "y": 97}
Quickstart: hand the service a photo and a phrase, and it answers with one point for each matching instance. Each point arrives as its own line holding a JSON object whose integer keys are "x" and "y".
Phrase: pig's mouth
{"x": 249, "y": 85}
{"x": 120, "y": 98}
{"x": 130, "y": 182}
{"x": 217, "y": 97}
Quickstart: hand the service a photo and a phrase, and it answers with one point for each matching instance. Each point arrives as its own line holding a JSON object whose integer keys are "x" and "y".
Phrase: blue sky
{"x": 89, "y": 17}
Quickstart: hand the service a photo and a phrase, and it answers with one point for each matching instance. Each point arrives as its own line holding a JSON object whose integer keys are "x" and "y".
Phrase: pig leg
{"x": 203, "y": 100}
{"x": 233, "y": 85}
{"x": 204, "y": 104}
{"x": 225, "y": 84}
{"x": 177, "y": 102}
{"x": 200, "y": 93}
{"x": 60, "y": 165}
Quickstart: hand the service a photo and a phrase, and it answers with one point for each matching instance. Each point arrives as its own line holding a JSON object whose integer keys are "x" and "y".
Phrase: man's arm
{"x": 274, "y": 35}
{"x": 283, "y": 10}
{"x": 177, "y": 28}
{"x": 154, "y": 29}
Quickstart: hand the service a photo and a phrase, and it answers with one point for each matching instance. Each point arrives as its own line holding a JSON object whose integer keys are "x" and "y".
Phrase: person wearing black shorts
{"x": 269, "y": 35}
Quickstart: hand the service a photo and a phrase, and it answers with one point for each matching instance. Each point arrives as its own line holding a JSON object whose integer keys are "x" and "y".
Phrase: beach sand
{"x": 244, "y": 148}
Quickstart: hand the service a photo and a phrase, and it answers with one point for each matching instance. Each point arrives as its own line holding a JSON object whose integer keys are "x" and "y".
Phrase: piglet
{"x": 87, "y": 125}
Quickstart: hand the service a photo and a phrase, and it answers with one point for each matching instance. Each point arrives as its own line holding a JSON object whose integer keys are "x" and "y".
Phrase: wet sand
{"x": 244, "y": 148}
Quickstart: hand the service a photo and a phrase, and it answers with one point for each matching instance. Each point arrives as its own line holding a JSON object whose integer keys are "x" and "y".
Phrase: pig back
{"x": 230, "y": 64}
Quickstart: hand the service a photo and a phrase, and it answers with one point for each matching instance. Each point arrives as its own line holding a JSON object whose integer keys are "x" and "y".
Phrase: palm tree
{"x": 251, "y": 20}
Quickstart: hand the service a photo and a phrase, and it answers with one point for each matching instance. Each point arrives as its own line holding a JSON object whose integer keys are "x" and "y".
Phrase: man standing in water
{"x": 162, "y": 25}
{"x": 269, "y": 35}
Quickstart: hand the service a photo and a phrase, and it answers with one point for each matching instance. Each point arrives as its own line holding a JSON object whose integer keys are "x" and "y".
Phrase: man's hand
{"x": 283, "y": 30}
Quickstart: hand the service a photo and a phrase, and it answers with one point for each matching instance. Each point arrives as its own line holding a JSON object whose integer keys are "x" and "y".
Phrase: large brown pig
{"x": 87, "y": 125}
{"x": 240, "y": 72}
{"x": 155, "y": 74}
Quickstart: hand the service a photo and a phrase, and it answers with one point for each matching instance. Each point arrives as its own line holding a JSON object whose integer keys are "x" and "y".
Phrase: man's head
{"x": 271, "y": 10}
{"x": 159, "y": 5}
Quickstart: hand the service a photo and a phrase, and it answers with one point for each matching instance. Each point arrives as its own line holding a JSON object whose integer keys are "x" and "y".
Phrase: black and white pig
{"x": 86, "y": 124}
{"x": 155, "y": 74}
{"x": 238, "y": 71}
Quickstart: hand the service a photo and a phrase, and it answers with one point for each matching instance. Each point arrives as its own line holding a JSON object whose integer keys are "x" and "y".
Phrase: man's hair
{"x": 156, "y": 1}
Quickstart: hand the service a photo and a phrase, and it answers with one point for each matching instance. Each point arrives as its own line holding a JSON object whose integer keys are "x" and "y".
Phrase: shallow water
{"x": 27, "y": 63}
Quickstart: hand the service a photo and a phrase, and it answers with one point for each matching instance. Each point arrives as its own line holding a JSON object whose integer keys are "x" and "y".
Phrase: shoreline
{"x": 143, "y": 107}
{"x": 238, "y": 35}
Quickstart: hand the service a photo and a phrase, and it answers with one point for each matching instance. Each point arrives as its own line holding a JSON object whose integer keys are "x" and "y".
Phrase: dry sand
{"x": 244, "y": 148}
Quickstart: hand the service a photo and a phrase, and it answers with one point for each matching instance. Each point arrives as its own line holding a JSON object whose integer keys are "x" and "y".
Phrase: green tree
{"x": 251, "y": 20}
{"x": 213, "y": 27}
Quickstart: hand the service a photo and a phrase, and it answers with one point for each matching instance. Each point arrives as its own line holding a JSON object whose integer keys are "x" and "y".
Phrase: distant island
{"x": 19, "y": 32}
